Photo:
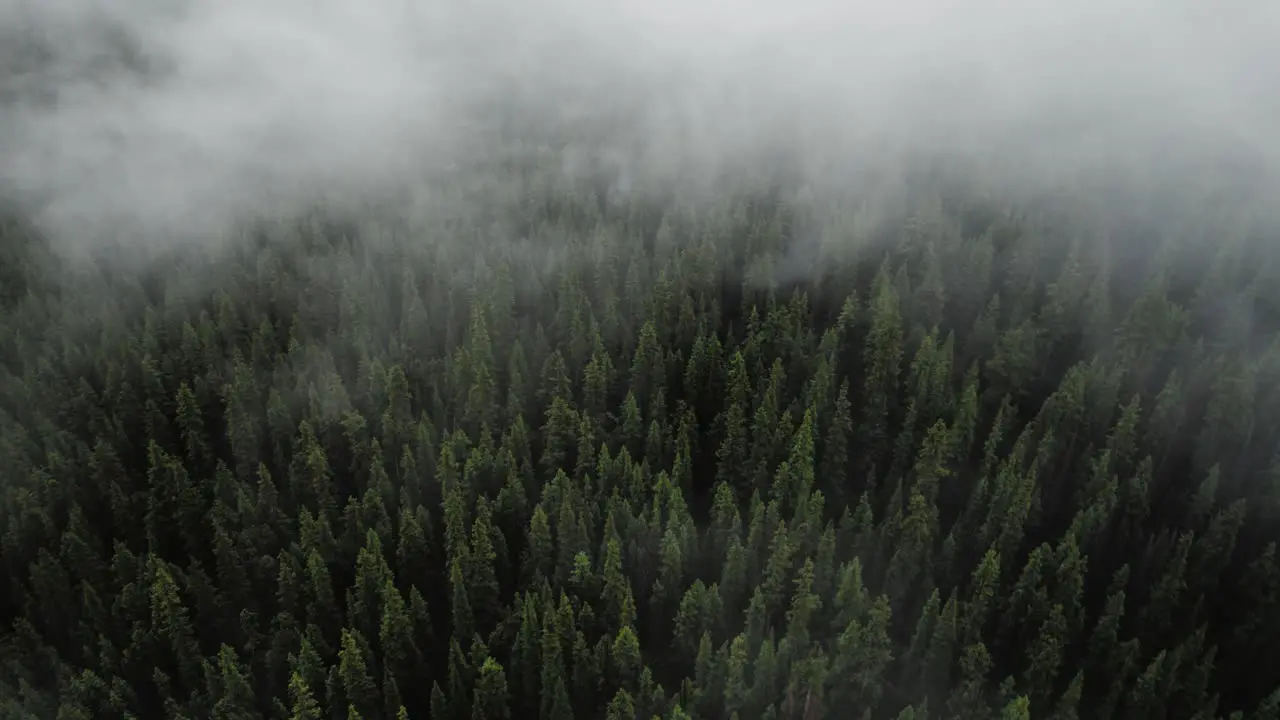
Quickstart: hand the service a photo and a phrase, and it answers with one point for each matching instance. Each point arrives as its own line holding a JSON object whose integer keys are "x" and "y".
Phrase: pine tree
{"x": 491, "y": 693}
{"x": 305, "y": 706}
{"x": 967, "y": 700}
{"x": 882, "y": 355}
{"x": 233, "y": 697}
{"x": 1018, "y": 709}
{"x": 356, "y": 684}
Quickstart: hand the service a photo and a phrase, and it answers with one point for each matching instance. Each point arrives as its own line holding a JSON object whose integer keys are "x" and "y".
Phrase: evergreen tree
{"x": 977, "y": 458}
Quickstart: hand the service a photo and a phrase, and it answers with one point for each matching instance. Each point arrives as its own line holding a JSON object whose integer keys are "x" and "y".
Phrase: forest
{"x": 764, "y": 454}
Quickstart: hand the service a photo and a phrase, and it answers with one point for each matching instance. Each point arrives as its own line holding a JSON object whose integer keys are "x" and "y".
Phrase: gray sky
{"x": 171, "y": 117}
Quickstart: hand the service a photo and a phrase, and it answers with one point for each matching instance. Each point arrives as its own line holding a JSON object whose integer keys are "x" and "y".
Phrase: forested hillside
{"x": 763, "y": 455}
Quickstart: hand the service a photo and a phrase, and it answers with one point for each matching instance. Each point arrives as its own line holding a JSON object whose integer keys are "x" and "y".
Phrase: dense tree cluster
{"x": 758, "y": 459}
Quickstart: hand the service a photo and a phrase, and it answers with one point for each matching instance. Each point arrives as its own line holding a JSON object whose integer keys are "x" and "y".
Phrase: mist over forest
{"x": 670, "y": 360}
{"x": 177, "y": 119}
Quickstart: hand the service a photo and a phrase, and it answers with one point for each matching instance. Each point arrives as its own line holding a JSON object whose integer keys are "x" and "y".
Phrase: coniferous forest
{"x": 762, "y": 455}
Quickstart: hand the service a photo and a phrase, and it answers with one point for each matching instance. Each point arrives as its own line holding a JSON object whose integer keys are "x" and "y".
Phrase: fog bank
{"x": 171, "y": 120}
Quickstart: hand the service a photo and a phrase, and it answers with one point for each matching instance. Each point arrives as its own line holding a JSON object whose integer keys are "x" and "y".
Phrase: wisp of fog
{"x": 170, "y": 120}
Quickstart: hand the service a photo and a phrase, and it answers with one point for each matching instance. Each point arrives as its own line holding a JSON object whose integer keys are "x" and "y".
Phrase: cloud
{"x": 169, "y": 119}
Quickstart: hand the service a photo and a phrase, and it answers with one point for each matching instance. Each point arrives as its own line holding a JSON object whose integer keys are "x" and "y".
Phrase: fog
{"x": 171, "y": 120}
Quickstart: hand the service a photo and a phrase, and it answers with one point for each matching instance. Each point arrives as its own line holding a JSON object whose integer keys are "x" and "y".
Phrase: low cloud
{"x": 166, "y": 120}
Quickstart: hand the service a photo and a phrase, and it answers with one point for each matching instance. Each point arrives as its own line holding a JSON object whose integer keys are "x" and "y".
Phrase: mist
{"x": 170, "y": 122}
{"x": 805, "y": 358}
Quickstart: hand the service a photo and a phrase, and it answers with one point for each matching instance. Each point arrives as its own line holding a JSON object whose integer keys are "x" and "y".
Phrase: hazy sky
{"x": 159, "y": 115}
